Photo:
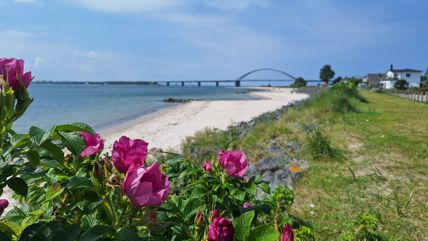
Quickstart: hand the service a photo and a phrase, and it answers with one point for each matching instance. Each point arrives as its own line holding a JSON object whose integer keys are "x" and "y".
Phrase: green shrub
{"x": 318, "y": 145}
{"x": 299, "y": 82}
{"x": 366, "y": 229}
{"x": 208, "y": 142}
{"x": 401, "y": 84}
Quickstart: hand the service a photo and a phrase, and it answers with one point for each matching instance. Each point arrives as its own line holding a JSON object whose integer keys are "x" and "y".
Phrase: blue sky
{"x": 211, "y": 39}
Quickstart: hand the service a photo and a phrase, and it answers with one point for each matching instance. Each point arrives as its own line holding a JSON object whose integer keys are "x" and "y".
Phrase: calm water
{"x": 105, "y": 105}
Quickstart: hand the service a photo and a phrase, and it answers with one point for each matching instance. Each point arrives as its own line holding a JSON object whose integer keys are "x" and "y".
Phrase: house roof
{"x": 406, "y": 71}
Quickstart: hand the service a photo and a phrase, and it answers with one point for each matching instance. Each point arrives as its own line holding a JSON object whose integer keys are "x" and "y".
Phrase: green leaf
{"x": 33, "y": 157}
{"x": 264, "y": 233}
{"x": 73, "y": 141}
{"x": 79, "y": 183}
{"x": 5, "y": 237}
{"x": 242, "y": 225}
{"x": 37, "y": 135}
{"x": 265, "y": 187}
{"x": 128, "y": 235}
{"x": 75, "y": 127}
{"x": 190, "y": 207}
{"x": 18, "y": 185}
{"x": 54, "y": 150}
{"x": 94, "y": 233}
{"x": 67, "y": 233}
{"x": 6, "y": 231}
{"x": 88, "y": 221}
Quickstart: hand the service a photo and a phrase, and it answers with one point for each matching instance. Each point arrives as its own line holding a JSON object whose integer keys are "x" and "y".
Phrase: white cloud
{"x": 15, "y": 33}
{"x": 91, "y": 54}
{"x": 38, "y": 61}
{"x": 120, "y": 6}
{"x": 35, "y": 2}
{"x": 125, "y": 6}
{"x": 236, "y": 4}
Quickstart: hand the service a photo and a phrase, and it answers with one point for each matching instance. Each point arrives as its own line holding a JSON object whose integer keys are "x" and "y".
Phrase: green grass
{"x": 381, "y": 166}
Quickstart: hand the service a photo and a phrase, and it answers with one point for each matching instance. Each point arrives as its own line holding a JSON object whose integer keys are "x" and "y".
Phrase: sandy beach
{"x": 167, "y": 128}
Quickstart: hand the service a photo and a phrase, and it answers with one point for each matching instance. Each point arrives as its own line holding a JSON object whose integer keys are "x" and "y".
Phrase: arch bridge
{"x": 237, "y": 81}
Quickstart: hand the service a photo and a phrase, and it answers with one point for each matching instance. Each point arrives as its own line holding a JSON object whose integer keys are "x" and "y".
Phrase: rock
{"x": 297, "y": 168}
{"x": 281, "y": 178}
{"x": 267, "y": 177}
{"x": 293, "y": 145}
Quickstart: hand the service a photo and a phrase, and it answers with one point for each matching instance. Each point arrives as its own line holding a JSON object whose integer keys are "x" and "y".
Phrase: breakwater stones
{"x": 278, "y": 168}
{"x": 174, "y": 100}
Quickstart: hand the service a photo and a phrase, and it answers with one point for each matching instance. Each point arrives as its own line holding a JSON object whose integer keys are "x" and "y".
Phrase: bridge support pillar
{"x": 182, "y": 83}
{"x": 217, "y": 84}
{"x": 237, "y": 83}
{"x": 199, "y": 83}
{"x": 167, "y": 83}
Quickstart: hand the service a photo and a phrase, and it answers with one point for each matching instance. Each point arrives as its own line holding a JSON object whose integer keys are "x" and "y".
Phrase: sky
{"x": 149, "y": 40}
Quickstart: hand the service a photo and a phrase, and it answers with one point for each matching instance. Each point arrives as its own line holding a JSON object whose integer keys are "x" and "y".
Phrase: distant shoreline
{"x": 168, "y": 127}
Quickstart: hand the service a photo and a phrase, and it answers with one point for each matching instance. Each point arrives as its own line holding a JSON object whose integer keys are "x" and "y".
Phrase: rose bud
{"x": 287, "y": 233}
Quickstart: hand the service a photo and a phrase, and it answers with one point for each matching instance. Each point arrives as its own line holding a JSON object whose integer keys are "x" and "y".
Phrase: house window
{"x": 407, "y": 75}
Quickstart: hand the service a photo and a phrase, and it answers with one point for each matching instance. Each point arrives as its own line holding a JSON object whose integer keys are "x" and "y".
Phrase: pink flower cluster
{"x": 12, "y": 71}
{"x": 144, "y": 186}
{"x": 233, "y": 162}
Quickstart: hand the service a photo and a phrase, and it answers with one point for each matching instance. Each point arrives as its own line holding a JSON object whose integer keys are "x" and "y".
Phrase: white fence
{"x": 419, "y": 96}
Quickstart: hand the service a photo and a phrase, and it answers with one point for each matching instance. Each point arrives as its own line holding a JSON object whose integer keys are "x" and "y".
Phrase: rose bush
{"x": 70, "y": 190}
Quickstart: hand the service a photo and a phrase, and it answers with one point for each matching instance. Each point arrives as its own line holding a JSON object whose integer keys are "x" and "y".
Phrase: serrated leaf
{"x": 33, "y": 157}
{"x": 88, "y": 221}
{"x": 67, "y": 233}
{"x": 73, "y": 141}
{"x": 54, "y": 150}
{"x": 94, "y": 233}
{"x": 264, "y": 233}
{"x": 6, "y": 230}
{"x": 37, "y": 135}
{"x": 242, "y": 225}
{"x": 265, "y": 187}
{"x": 79, "y": 183}
{"x": 126, "y": 234}
{"x": 18, "y": 185}
{"x": 75, "y": 127}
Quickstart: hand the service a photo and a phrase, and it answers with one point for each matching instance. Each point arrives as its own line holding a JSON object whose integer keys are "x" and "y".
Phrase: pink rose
{"x": 287, "y": 233}
{"x": 220, "y": 229}
{"x": 246, "y": 205}
{"x": 207, "y": 166}
{"x": 234, "y": 162}
{"x": 128, "y": 152}
{"x": 146, "y": 186}
{"x": 93, "y": 144}
{"x": 13, "y": 72}
{"x": 3, "y": 205}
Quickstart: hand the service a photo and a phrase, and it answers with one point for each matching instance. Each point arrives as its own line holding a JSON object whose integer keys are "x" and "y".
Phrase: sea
{"x": 103, "y": 106}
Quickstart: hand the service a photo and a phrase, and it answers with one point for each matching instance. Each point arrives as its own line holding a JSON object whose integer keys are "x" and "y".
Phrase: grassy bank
{"x": 369, "y": 163}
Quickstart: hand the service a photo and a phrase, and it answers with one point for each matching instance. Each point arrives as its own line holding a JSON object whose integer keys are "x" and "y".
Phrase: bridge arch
{"x": 265, "y": 69}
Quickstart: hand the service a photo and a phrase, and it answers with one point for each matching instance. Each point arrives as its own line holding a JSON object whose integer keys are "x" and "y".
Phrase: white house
{"x": 412, "y": 76}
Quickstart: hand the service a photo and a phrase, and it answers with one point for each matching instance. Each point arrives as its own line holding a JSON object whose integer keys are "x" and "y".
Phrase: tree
{"x": 326, "y": 74}
{"x": 426, "y": 73}
{"x": 401, "y": 84}
{"x": 299, "y": 82}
